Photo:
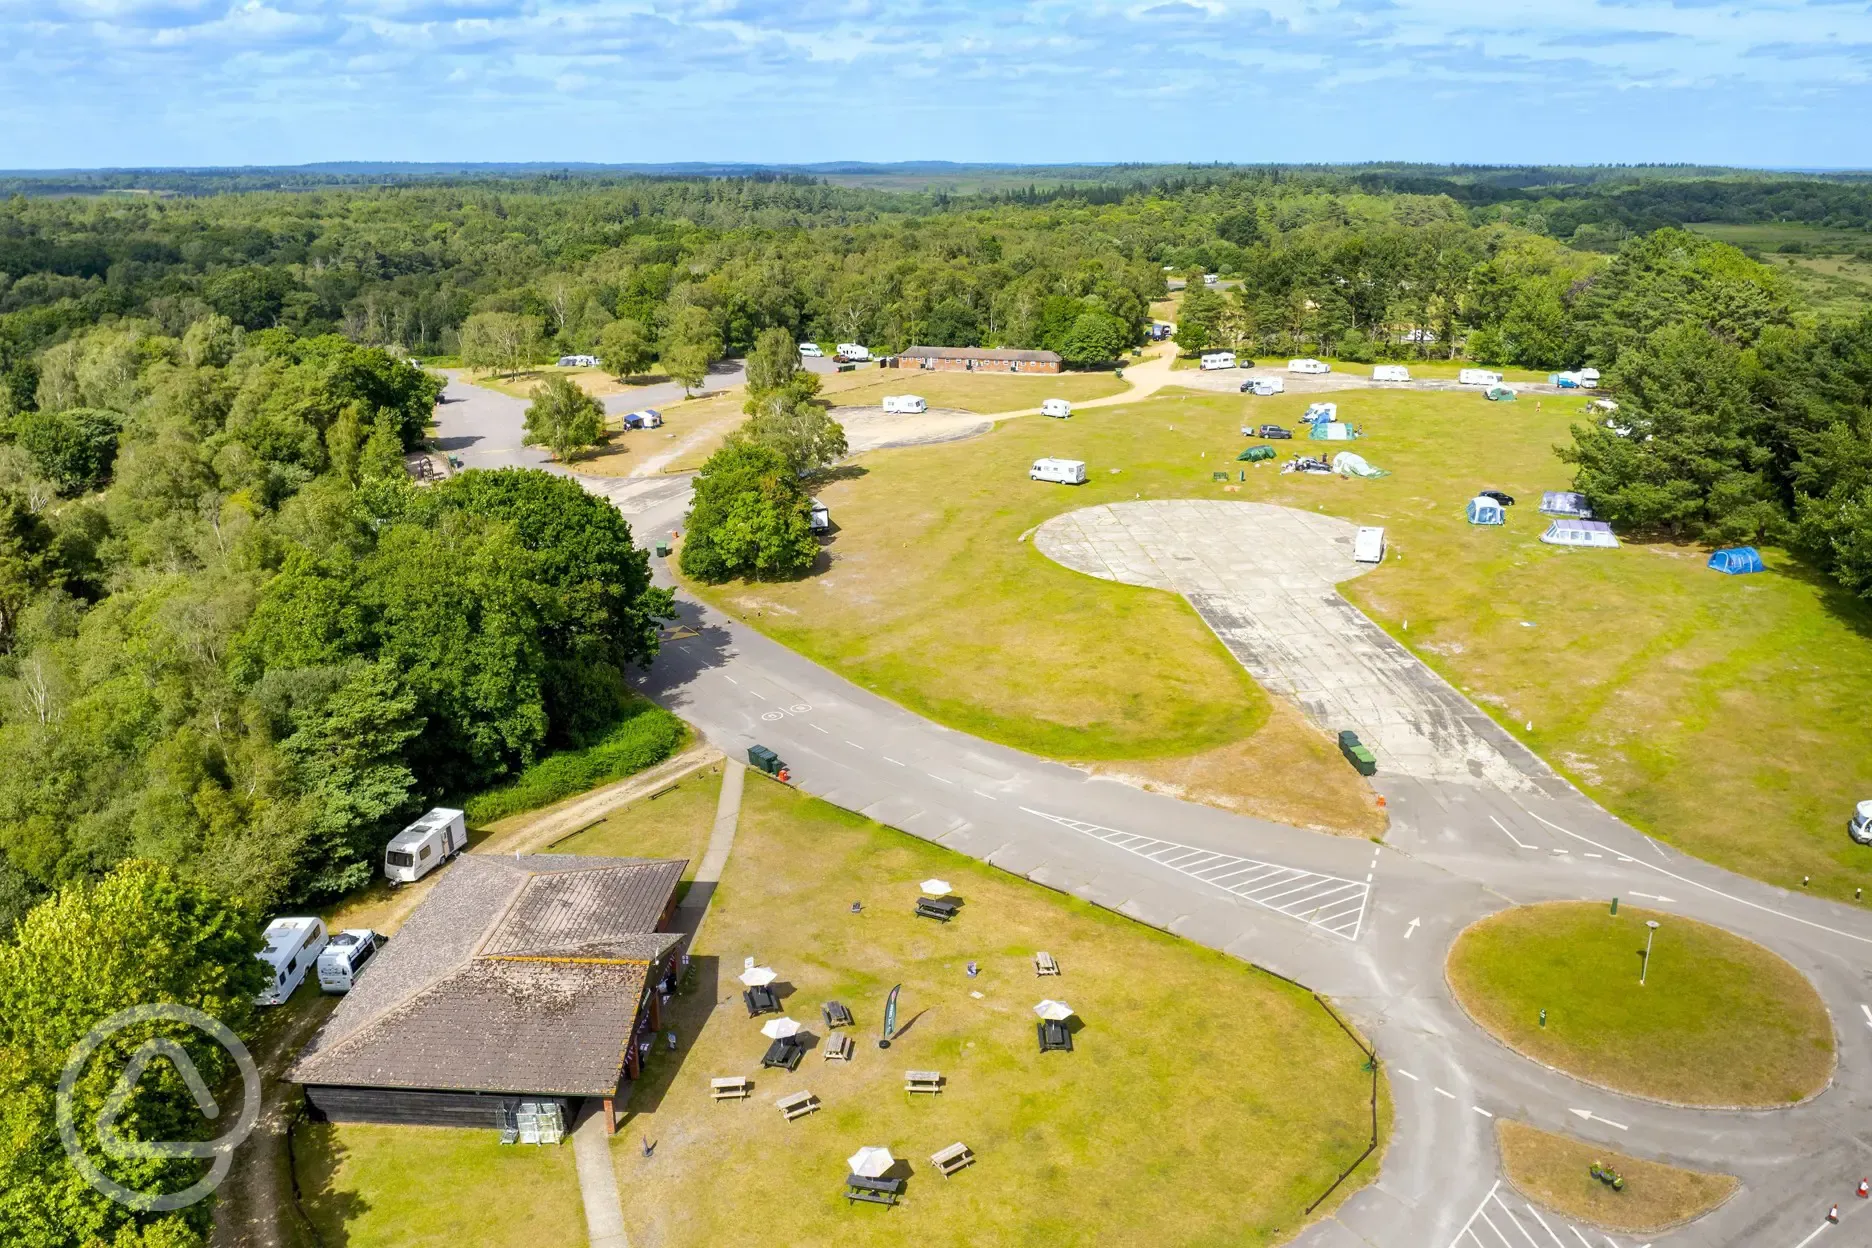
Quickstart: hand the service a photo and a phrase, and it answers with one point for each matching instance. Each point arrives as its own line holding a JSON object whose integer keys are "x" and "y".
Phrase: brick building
{"x": 979, "y": 360}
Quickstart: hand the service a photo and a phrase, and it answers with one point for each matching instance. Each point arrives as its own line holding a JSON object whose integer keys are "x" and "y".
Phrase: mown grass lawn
{"x": 1556, "y": 1171}
{"x": 1719, "y": 1021}
{"x": 1205, "y": 1102}
{"x": 987, "y": 393}
{"x": 672, "y": 823}
{"x": 1722, "y": 714}
{"x": 370, "y": 1186}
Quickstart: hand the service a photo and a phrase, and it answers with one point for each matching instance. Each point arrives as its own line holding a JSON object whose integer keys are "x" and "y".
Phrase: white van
{"x": 1265, "y": 387}
{"x": 1218, "y": 359}
{"x": 1056, "y": 407}
{"x": 1062, "y": 471}
{"x": 1308, "y": 366}
{"x": 904, "y": 405}
{"x": 425, "y": 845}
{"x": 344, "y": 958}
{"x": 1368, "y": 545}
{"x": 1478, "y": 377}
{"x": 852, "y": 351}
{"x": 811, "y": 350}
{"x": 1390, "y": 372}
{"x": 292, "y": 946}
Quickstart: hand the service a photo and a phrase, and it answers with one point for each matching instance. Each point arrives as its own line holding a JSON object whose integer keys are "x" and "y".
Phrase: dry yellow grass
{"x": 692, "y": 430}
{"x": 593, "y": 381}
{"x": 1185, "y": 1058}
{"x": 671, "y": 823}
{"x": 1556, "y": 1171}
{"x": 984, "y": 393}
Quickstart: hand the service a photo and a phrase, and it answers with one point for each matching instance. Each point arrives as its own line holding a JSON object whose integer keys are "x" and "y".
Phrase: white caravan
{"x": 425, "y": 845}
{"x": 852, "y": 351}
{"x": 1588, "y": 378}
{"x": 820, "y": 519}
{"x": 344, "y": 958}
{"x": 904, "y": 405}
{"x": 648, "y": 418}
{"x": 578, "y": 361}
{"x": 811, "y": 350}
{"x": 1218, "y": 359}
{"x": 292, "y": 946}
{"x": 1308, "y": 366}
{"x": 1062, "y": 471}
{"x": 1056, "y": 407}
{"x": 1368, "y": 545}
{"x": 1478, "y": 377}
{"x": 1264, "y": 387}
{"x": 1390, "y": 372}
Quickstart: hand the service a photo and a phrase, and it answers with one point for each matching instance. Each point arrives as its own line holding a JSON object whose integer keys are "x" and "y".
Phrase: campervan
{"x": 820, "y": 518}
{"x": 292, "y": 946}
{"x": 1317, "y": 412}
{"x": 1308, "y": 366}
{"x": 425, "y": 845}
{"x": 1266, "y": 386}
{"x": 1588, "y": 378}
{"x": 1368, "y": 545}
{"x": 578, "y": 361}
{"x": 1218, "y": 359}
{"x": 904, "y": 405}
{"x": 1061, "y": 471}
{"x": 1565, "y": 381}
{"x": 1056, "y": 407}
{"x": 648, "y": 418}
{"x": 852, "y": 351}
{"x": 811, "y": 351}
{"x": 1478, "y": 377}
{"x": 344, "y": 958}
{"x": 1390, "y": 372}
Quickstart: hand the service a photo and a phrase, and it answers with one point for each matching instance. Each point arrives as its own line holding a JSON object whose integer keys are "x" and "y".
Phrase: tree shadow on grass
{"x": 687, "y": 1014}
{"x": 316, "y": 1156}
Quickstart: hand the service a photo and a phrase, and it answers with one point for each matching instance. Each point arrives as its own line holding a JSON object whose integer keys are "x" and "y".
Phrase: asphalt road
{"x": 1366, "y": 925}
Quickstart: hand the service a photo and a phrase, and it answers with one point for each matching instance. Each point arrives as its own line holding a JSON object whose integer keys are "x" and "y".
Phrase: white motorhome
{"x": 811, "y": 350}
{"x": 904, "y": 405}
{"x": 344, "y": 958}
{"x": 1265, "y": 386}
{"x": 1308, "y": 366}
{"x": 1062, "y": 471}
{"x": 1218, "y": 359}
{"x": 292, "y": 946}
{"x": 820, "y": 519}
{"x": 1588, "y": 378}
{"x": 578, "y": 361}
{"x": 852, "y": 351}
{"x": 1478, "y": 377}
{"x": 1390, "y": 372}
{"x": 1368, "y": 545}
{"x": 425, "y": 845}
{"x": 648, "y": 418}
{"x": 1056, "y": 407}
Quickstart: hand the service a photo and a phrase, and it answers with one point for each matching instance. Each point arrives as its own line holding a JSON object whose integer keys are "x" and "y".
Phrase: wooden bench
{"x": 876, "y": 1191}
{"x": 835, "y": 1014}
{"x": 797, "y": 1105}
{"x": 953, "y": 1158}
{"x": 838, "y": 1047}
{"x": 1045, "y": 965}
{"x": 731, "y": 1087}
{"x": 923, "y": 1081}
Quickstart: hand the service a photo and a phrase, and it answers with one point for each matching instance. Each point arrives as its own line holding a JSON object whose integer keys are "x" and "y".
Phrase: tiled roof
{"x": 513, "y": 975}
{"x": 980, "y": 353}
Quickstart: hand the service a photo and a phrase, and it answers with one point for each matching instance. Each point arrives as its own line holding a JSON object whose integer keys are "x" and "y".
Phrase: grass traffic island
{"x": 1180, "y": 1054}
{"x": 1720, "y": 1021}
{"x": 1556, "y": 1171}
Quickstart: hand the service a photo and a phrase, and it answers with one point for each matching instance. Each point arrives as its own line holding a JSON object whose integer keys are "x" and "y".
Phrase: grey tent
{"x": 1565, "y": 503}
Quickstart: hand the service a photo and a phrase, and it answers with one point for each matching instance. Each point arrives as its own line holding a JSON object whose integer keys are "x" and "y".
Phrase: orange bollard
{"x": 1865, "y": 1188}
{"x": 1833, "y": 1214}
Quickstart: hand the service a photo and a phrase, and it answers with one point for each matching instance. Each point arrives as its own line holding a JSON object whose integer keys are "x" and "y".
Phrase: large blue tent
{"x": 1736, "y": 560}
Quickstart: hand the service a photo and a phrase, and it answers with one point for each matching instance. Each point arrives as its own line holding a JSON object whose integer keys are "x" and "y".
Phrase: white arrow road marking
{"x": 1589, "y": 1116}
{"x": 1652, "y": 897}
{"x": 1413, "y": 927}
{"x": 1511, "y": 836}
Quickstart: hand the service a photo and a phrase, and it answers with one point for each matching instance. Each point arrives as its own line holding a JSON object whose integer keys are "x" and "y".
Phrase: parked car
{"x": 1274, "y": 431}
{"x": 1859, "y": 827}
{"x": 1506, "y": 500}
{"x": 344, "y": 956}
{"x": 811, "y": 350}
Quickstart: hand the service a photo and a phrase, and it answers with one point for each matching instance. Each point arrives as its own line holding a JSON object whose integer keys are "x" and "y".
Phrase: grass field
{"x": 368, "y": 1186}
{"x": 1635, "y": 666}
{"x": 593, "y": 381}
{"x": 986, "y": 393}
{"x": 1556, "y": 1171}
{"x": 1767, "y": 235}
{"x": 1184, "y": 1057}
{"x": 1720, "y": 1020}
{"x": 673, "y": 823}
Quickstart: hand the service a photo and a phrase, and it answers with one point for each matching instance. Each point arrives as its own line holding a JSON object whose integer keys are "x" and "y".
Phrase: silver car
{"x": 1859, "y": 827}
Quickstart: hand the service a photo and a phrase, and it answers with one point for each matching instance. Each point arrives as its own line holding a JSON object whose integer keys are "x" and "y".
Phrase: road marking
{"x": 1582, "y": 1239}
{"x": 889, "y": 759}
{"x": 978, "y": 793}
{"x": 853, "y": 744}
{"x": 1400, "y": 1070}
{"x": 1684, "y": 879}
{"x": 1478, "y": 1109}
{"x": 1589, "y": 1116}
{"x": 1413, "y": 927}
{"x": 816, "y": 726}
{"x": 1368, "y": 876}
{"x": 1467, "y": 1232}
{"x": 1441, "y": 1092}
{"x": 757, "y": 693}
{"x": 1815, "y": 1235}
{"x": 932, "y": 775}
{"x": 1535, "y": 1214}
{"x": 1511, "y": 836}
{"x": 731, "y": 680}
{"x": 1328, "y": 902}
{"x": 1590, "y": 854}
{"x": 1867, "y": 1011}
{"x": 1653, "y": 897}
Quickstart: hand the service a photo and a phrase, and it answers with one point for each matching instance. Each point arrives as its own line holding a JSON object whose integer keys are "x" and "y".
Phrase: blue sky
{"x": 165, "y": 82}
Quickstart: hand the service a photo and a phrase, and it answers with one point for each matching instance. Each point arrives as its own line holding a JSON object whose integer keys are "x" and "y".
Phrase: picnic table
{"x": 1045, "y": 965}
{"x": 952, "y": 1159}
{"x": 784, "y": 1054}
{"x": 1055, "y": 1037}
{"x": 941, "y": 908}
{"x": 761, "y": 1000}
{"x": 876, "y": 1191}
{"x": 923, "y": 1081}
{"x": 838, "y": 1047}
{"x": 835, "y": 1014}
{"x": 797, "y": 1104}
{"x": 730, "y": 1087}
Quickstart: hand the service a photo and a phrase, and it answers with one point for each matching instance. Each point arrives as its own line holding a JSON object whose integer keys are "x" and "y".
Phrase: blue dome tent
{"x": 1737, "y": 560}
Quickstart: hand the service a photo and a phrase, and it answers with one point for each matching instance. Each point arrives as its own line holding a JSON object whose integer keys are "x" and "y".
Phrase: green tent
{"x": 1500, "y": 394}
{"x": 1256, "y": 452}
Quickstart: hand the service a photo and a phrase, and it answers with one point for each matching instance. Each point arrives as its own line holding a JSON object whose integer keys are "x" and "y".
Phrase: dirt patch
{"x": 254, "y": 1207}
{"x": 873, "y": 429}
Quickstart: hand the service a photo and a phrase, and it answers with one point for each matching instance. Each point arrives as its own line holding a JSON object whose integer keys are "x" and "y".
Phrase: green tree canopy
{"x": 751, "y": 517}
{"x": 563, "y": 418}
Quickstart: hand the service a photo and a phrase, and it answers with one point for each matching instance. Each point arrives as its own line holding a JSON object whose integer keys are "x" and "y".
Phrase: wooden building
{"x": 517, "y": 979}
{"x": 979, "y": 360}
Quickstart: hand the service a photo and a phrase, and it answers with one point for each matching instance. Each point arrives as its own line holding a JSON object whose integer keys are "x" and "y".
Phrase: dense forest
{"x": 239, "y": 647}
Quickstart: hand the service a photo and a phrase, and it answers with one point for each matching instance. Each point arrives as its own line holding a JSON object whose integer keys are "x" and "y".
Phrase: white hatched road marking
{"x": 1484, "y": 1231}
{"x": 1327, "y": 902}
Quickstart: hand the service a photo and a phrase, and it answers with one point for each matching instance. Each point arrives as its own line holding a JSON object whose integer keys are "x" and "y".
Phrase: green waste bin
{"x": 1356, "y": 753}
{"x": 761, "y": 758}
{"x": 662, "y": 550}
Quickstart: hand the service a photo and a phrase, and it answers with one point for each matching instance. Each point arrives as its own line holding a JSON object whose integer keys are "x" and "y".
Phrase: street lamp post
{"x": 1650, "y": 936}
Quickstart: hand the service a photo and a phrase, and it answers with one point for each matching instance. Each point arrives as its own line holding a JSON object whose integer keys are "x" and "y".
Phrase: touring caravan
{"x": 1218, "y": 359}
{"x": 292, "y": 946}
{"x": 578, "y": 361}
{"x": 1264, "y": 387}
{"x": 1308, "y": 366}
{"x": 904, "y": 405}
{"x": 1368, "y": 545}
{"x": 425, "y": 845}
{"x": 1056, "y": 407}
{"x": 811, "y": 351}
{"x": 1478, "y": 377}
{"x": 852, "y": 351}
{"x": 1390, "y": 372}
{"x": 820, "y": 518}
{"x": 648, "y": 418}
{"x": 344, "y": 958}
{"x": 1061, "y": 471}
